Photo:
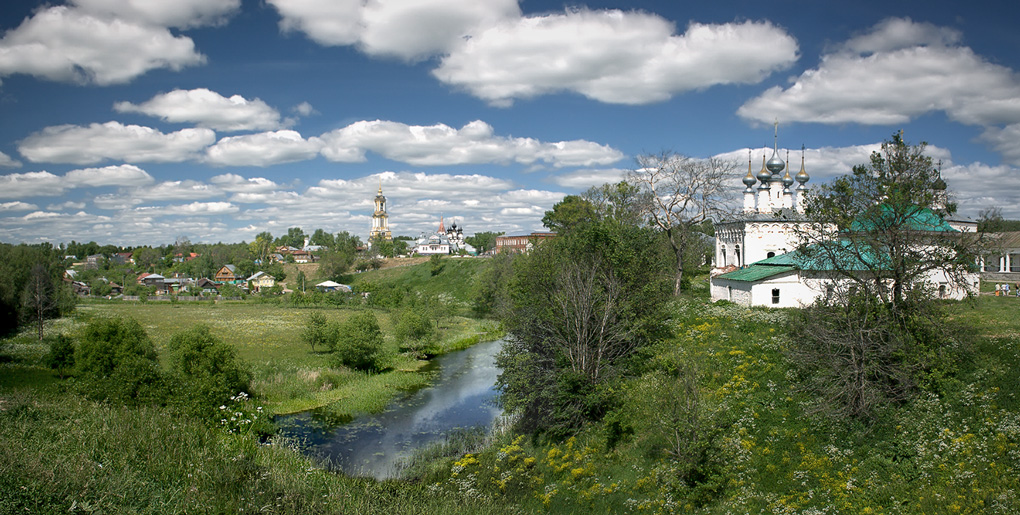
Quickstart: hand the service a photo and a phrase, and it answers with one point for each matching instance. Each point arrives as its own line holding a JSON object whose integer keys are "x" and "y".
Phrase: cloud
{"x": 235, "y": 183}
{"x": 8, "y": 162}
{"x": 1004, "y": 141}
{"x": 304, "y": 109}
{"x": 584, "y": 179}
{"x": 121, "y": 175}
{"x": 409, "y": 29}
{"x": 69, "y": 45}
{"x": 179, "y": 13}
{"x": 31, "y": 184}
{"x": 265, "y": 149}
{"x": 70, "y": 204}
{"x": 612, "y": 56}
{"x": 441, "y": 144}
{"x": 892, "y": 74}
{"x": 207, "y": 109}
{"x": 977, "y": 186}
{"x": 192, "y": 209}
{"x": 77, "y": 144}
{"x": 16, "y": 206}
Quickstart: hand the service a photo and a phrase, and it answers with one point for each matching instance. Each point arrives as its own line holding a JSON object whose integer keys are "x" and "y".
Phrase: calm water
{"x": 462, "y": 396}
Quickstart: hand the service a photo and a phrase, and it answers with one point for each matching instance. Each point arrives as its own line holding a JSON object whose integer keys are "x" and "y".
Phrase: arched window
{"x": 770, "y": 254}
{"x": 737, "y": 257}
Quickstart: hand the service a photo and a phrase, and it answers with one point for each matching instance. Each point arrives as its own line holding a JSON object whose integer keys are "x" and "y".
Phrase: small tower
{"x": 939, "y": 187}
{"x": 775, "y": 166}
{"x": 764, "y": 203}
{"x": 749, "y": 181}
{"x": 787, "y": 182}
{"x": 802, "y": 189}
{"x": 380, "y": 220}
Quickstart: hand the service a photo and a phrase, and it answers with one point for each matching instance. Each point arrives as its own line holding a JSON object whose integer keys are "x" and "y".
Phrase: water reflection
{"x": 461, "y": 396}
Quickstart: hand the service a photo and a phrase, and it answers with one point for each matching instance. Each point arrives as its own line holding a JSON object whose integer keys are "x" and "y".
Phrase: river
{"x": 461, "y": 396}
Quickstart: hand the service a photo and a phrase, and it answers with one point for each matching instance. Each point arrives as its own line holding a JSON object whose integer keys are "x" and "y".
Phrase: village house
{"x": 260, "y": 281}
{"x": 227, "y": 274}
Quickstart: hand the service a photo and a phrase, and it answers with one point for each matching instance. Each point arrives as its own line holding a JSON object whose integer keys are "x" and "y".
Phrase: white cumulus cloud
{"x": 237, "y": 184}
{"x": 97, "y": 142}
{"x": 16, "y": 206}
{"x": 120, "y": 175}
{"x": 897, "y": 71}
{"x": 207, "y": 108}
{"x": 410, "y": 29}
{"x": 31, "y": 184}
{"x": 440, "y": 144}
{"x": 612, "y": 56}
{"x": 263, "y": 149}
{"x": 178, "y": 13}
{"x": 66, "y": 44}
{"x": 8, "y": 161}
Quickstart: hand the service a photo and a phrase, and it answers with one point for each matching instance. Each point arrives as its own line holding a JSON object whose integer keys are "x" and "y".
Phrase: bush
{"x": 116, "y": 360}
{"x": 359, "y": 342}
{"x": 206, "y": 372}
{"x": 318, "y": 332}
{"x": 414, "y": 330}
{"x": 60, "y": 356}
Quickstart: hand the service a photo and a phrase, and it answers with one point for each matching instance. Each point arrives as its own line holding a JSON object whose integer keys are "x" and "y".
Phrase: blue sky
{"x": 139, "y": 122}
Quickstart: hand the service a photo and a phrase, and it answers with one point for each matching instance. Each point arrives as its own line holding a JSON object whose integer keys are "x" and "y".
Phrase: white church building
{"x": 755, "y": 262}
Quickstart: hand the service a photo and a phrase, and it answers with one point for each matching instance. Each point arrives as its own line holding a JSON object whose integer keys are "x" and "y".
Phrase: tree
{"x": 883, "y": 226}
{"x": 60, "y": 355}
{"x": 414, "y": 329}
{"x": 334, "y": 264}
{"x": 117, "y": 360}
{"x": 682, "y": 193}
{"x": 881, "y": 236}
{"x": 262, "y": 247}
{"x": 567, "y": 213}
{"x": 321, "y": 238}
{"x": 205, "y": 371}
{"x": 295, "y": 237}
{"x": 145, "y": 257}
{"x": 382, "y": 247}
{"x": 317, "y": 331}
{"x": 359, "y": 342}
{"x": 991, "y": 220}
{"x": 576, "y": 308}
{"x": 483, "y": 241}
{"x": 39, "y": 299}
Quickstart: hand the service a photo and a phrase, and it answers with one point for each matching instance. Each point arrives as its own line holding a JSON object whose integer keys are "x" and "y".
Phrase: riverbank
{"x": 288, "y": 377}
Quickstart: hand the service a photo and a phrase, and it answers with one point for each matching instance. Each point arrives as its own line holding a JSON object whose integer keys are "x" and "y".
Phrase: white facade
{"x": 769, "y": 226}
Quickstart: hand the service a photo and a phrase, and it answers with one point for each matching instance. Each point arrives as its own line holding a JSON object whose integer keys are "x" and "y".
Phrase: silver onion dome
{"x": 764, "y": 176}
{"x": 776, "y": 164}
{"x": 802, "y": 176}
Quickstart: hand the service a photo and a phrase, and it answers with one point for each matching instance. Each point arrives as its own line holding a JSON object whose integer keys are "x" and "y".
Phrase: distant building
{"x": 380, "y": 220}
{"x": 521, "y": 243}
{"x": 443, "y": 241}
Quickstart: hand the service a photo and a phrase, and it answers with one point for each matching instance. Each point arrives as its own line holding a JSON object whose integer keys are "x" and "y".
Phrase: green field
{"x": 288, "y": 376}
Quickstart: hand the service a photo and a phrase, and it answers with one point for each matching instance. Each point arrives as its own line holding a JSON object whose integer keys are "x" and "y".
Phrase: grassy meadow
{"x": 753, "y": 446}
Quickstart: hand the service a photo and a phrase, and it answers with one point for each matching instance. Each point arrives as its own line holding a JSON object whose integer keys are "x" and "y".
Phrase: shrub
{"x": 359, "y": 342}
{"x": 206, "y": 372}
{"x": 414, "y": 330}
{"x": 116, "y": 360}
{"x": 60, "y": 356}
{"x": 317, "y": 332}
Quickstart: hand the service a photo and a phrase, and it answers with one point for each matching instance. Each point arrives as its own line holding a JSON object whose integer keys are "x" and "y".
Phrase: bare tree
{"x": 682, "y": 193}
{"x": 586, "y": 328}
{"x": 38, "y": 298}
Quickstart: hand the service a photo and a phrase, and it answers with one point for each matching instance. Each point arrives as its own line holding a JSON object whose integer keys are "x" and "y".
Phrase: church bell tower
{"x": 380, "y": 220}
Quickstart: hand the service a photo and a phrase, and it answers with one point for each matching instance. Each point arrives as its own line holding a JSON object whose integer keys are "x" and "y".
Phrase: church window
{"x": 775, "y": 295}
{"x": 770, "y": 254}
